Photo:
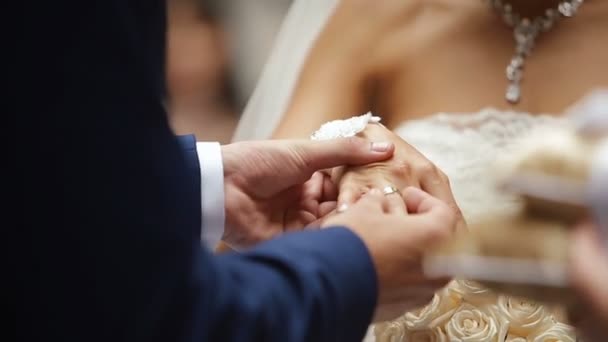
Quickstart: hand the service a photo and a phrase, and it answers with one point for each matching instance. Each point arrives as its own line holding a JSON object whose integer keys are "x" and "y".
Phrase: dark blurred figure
{"x": 201, "y": 99}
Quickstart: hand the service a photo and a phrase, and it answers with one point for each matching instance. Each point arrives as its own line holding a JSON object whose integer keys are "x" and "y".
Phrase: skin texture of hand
{"x": 407, "y": 167}
{"x": 275, "y": 186}
{"x": 589, "y": 275}
{"x": 397, "y": 242}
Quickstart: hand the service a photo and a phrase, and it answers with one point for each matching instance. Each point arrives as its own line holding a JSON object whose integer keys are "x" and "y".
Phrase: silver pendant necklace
{"x": 525, "y": 32}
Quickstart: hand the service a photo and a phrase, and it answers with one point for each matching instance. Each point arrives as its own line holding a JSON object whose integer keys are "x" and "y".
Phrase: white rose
{"x": 512, "y": 338}
{"x": 470, "y": 324}
{"x": 472, "y": 292}
{"x": 559, "y": 332}
{"x": 434, "y": 335}
{"x": 396, "y": 332}
{"x": 435, "y": 314}
{"x": 523, "y": 316}
{"x": 390, "y": 331}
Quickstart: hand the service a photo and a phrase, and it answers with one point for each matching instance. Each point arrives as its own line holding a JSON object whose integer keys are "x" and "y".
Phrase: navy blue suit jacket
{"x": 106, "y": 231}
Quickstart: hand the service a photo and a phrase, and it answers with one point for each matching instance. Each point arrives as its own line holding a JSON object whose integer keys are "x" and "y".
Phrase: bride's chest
{"x": 462, "y": 68}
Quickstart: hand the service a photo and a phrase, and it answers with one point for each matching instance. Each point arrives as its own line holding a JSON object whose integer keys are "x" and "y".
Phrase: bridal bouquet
{"x": 467, "y": 311}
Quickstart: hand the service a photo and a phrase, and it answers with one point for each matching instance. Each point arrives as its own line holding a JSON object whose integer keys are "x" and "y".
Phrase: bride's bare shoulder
{"x": 432, "y": 17}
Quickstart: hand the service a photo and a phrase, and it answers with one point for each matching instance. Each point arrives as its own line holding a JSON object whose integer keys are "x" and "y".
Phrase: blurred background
{"x": 216, "y": 51}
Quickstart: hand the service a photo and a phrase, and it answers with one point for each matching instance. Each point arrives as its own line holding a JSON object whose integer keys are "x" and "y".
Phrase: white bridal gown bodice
{"x": 465, "y": 146}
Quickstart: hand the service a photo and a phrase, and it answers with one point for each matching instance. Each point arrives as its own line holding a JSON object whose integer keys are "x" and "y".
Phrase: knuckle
{"x": 299, "y": 156}
{"x": 439, "y": 232}
{"x": 261, "y": 235}
{"x": 443, "y": 225}
{"x": 449, "y": 220}
{"x": 353, "y": 144}
{"x": 446, "y": 212}
{"x": 426, "y": 168}
{"x": 443, "y": 177}
{"x": 457, "y": 212}
{"x": 256, "y": 236}
{"x": 401, "y": 169}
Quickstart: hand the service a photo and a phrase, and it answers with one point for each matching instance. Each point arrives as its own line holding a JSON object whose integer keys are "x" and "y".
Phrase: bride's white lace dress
{"x": 465, "y": 146}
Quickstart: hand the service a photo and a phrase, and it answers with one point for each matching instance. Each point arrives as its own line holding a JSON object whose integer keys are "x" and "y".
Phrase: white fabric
{"x": 212, "y": 192}
{"x": 270, "y": 98}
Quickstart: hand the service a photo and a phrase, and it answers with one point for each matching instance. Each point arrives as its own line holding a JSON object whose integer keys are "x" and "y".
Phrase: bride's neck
{"x": 532, "y": 8}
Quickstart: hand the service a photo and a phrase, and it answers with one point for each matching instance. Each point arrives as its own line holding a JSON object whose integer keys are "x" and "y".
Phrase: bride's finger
{"x": 395, "y": 204}
{"x": 346, "y": 198}
{"x": 326, "y": 208}
{"x": 330, "y": 190}
{"x": 350, "y": 193}
{"x": 373, "y": 200}
{"x": 439, "y": 187}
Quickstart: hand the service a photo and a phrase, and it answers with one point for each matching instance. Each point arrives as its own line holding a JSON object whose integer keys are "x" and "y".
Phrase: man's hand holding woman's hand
{"x": 406, "y": 168}
{"x": 275, "y": 186}
{"x": 397, "y": 230}
{"x": 272, "y": 187}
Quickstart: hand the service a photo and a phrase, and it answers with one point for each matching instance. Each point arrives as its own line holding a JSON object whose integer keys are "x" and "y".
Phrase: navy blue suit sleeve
{"x": 187, "y": 144}
{"x": 310, "y": 286}
{"x": 275, "y": 295}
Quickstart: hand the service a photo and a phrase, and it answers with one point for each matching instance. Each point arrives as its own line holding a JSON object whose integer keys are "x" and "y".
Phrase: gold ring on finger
{"x": 389, "y": 190}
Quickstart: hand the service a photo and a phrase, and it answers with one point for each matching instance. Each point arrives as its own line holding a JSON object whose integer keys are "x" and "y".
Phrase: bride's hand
{"x": 407, "y": 167}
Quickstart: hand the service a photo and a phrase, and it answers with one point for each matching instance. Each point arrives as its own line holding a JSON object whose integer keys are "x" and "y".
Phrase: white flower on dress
{"x": 471, "y": 324}
{"x": 559, "y": 332}
{"x": 524, "y": 317}
{"x": 435, "y": 314}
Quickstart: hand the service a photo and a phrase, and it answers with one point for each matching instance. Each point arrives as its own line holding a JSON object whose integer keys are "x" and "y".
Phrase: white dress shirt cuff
{"x": 212, "y": 192}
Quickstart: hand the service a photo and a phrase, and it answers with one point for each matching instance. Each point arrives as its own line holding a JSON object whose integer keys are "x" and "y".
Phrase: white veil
{"x": 264, "y": 110}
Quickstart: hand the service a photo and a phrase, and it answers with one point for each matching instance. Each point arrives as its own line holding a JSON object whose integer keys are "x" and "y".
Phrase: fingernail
{"x": 380, "y": 146}
{"x": 343, "y": 208}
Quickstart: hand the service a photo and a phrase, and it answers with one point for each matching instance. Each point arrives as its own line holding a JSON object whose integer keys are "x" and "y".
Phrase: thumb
{"x": 420, "y": 202}
{"x": 430, "y": 217}
{"x": 319, "y": 155}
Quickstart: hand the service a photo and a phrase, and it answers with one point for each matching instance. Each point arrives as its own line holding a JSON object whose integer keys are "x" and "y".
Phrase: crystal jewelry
{"x": 525, "y": 32}
{"x": 389, "y": 190}
{"x": 344, "y": 128}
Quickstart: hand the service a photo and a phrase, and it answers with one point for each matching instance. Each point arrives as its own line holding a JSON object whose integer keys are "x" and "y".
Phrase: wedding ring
{"x": 389, "y": 190}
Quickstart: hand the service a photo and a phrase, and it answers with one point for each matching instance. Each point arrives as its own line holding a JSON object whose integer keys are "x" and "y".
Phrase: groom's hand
{"x": 397, "y": 231}
{"x": 275, "y": 186}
